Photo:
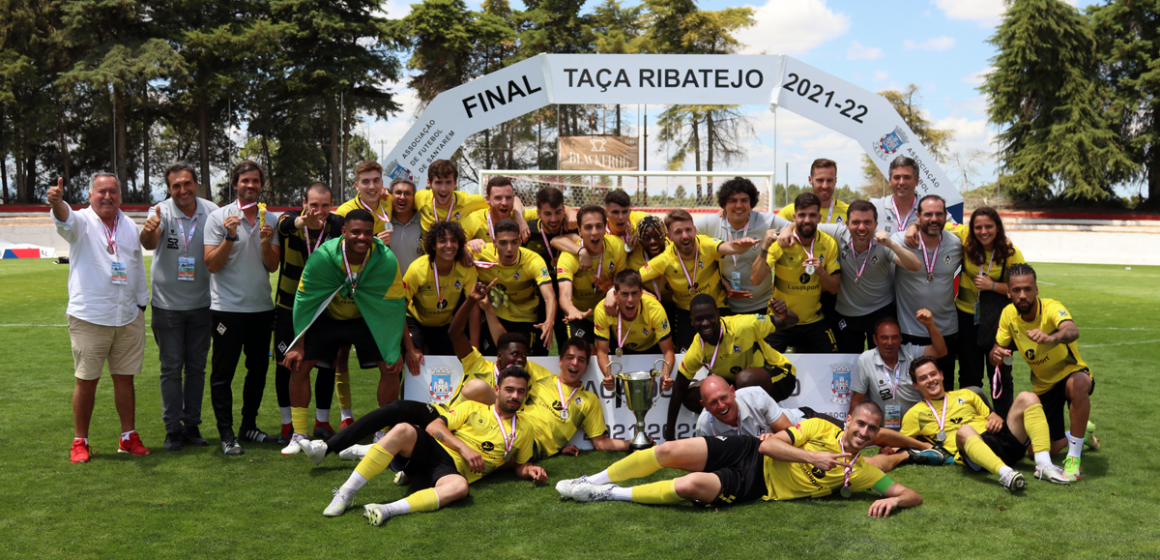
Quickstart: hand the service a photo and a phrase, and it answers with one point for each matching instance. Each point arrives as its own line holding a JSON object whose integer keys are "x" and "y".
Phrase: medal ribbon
{"x": 996, "y": 384}
{"x": 847, "y": 471}
{"x": 720, "y": 337}
{"x": 246, "y": 207}
{"x": 439, "y": 290}
{"x": 943, "y": 420}
{"x": 830, "y": 216}
{"x": 306, "y": 231}
{"x": 349, "y": 275}
{"x": 563, "y": 402}
{"x": 186, "y": 240}
{"x": 901, "y": 223}
{"x": 620, "y": 340}
{"x": 897, "y": 375}
{"x": 810, "y": 251}
{"x": 681, "y": 260}
{"x": 508, "y": 442}
{"x": 865, "y": 259}
{"x": 111, "y": 235}
{"x": 744, "y": 234}
{"x": 931, "y": 263}
{"x": 435, "y": 209}
{"x": 544, "y": 236}
{"x": 381, "y": 217}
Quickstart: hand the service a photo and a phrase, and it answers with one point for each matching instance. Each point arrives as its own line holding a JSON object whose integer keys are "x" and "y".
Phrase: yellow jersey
{"x": 474, "y": 424}
{"x": 705, "y": 270}
{"x": 585, "y": 292}
{"x": 475, "y": 366}
{"x": 790, "y": 481}
{"x": 841, "y": 209}
{"x": 742, "y": 346}
{"x": 423, "y": 295}
{"x": 520, "y": 281}
{"x": 964, "y": 408}
{"x": 1049, "y": 363}
{"x": 636, "y": 261}
{"x": 343, "y": 308}
{"x": 543, "y": 410}
{"x": 650, "y": 326}
{"x": 475, "y": 225}
{"x": 802, "y": 292}
{"x": 634, "y": 218}
{"x": 383, "y": 209}
{"x": 968, "y": 293}
{"x": 462, "y": 205}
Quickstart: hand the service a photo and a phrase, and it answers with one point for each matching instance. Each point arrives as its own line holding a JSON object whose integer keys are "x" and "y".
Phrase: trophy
{"x": 637, "y": 388}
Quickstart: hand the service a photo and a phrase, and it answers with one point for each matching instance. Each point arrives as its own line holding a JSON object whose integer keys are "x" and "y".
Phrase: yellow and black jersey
{"x": 643, "y": 332}
{"x": 1049, "y": 363}
{"x": 659, "y": 286}
{"x": 802, "y": 292}
{"x": 964, "y": 408}
{"x": 382, "y": 209}
{"x": 462, "y": 205}
{"x": 742, "y": 346}
{"x": 475, "y": 366}
{"x": 586, "y": 294}
{"x": 543, "y": 410}
{"x": 475, "y": 425}
{"x": 424, "y": 304}
{"x": 789, "y": 481}
{"x": 705, "y": 270}
{"x": 295, "y": 252}
{"x": 520, "y": 281}
{"x": 536, "y": 242}
{"x": 841, "y": 209}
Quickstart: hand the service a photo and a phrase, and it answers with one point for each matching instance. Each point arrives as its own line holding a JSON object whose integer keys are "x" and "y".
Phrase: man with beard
{"x": 522, "y": 280}
{"x": 1045, "y": 334}
{"x": 809, "y": 460}
{"x": 823, "y": 181}
{"x": 881, "y": 372}
{"x": 553, "y": 220}
{"x": 405, "y": 234}
{"x": 801, "y": 272}
{"x": 585, "y": 289}
{"x": 637, "y": 325}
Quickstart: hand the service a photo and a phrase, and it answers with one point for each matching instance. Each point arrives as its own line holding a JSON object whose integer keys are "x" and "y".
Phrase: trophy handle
{"x": 656, "y": 370}
{"x": 619, "y": 368}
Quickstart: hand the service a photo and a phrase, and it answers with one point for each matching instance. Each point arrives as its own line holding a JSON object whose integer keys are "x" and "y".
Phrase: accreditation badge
{"x": 185, "y": 269}
{"x": 735, "y": 279}
{"x": 120, "y": 273}
{"x": 893, "y": 418}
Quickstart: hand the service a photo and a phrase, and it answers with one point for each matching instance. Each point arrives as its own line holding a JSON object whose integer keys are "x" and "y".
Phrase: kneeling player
{"x": 439, "y": 464}
{"x": 806, "y": 460}
{"x": 638, "y": 324}
{"x": 979, "y": 438}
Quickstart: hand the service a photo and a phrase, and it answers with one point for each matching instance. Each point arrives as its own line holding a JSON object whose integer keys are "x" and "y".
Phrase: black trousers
{"x": 233, "y": 333}
{"x": 945, "y": 363}
{"x": 283, "y": 336}
{"x": 390, "y": 414}
{"x": 975, "y": 370}
{"x": 856, "y": 334}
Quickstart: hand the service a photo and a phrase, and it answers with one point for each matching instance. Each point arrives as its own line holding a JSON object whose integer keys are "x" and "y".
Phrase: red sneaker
{"x": 322, "y": 430}
{"x": 132, "y": 445}
{"x": 287, "y": 431}
{"x": 346, "y": 422}
{"x": 81, "y": 452}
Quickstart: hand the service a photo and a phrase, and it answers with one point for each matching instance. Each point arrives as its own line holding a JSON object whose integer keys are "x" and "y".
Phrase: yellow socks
{"x": 658, "y": 493}
{"x": 638, "y": 465}
{"x": 300, "y": 417}
{"x": 342, "y": 389}
{"x": 981, "y": 454}
{"x": 376, "y": 461}
{"x": 423, "y": 500}
{"x": 1035, "y": 422}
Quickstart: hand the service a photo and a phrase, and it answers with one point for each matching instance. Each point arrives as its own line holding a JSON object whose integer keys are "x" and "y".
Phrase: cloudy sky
{"x": 938, "y": 45}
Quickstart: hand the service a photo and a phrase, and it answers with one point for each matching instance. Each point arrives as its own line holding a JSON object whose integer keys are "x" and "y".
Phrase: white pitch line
{"x": 1122, "y": 343}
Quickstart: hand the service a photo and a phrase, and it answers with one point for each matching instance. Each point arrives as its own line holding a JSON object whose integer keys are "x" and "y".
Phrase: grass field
{"x": 199, "y": 504}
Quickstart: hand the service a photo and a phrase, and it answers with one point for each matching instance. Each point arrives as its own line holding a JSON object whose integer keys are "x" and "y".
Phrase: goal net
{"x": 655, "y": 192}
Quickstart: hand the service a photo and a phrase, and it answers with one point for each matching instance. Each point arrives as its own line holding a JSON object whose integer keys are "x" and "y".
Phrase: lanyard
{"x": 931, "y": 263}
{"x": 810, "y": 251}
{"x": 902, "y": 224}
{"x": 830, "y": 216}
{"x": 381, "y": 217}
{"x": 111, "y": 235}
{"x": 306, "y": 230}
{"x": 865, "y": 259}
{"x": 544, "y": 236}
{"x": 508, "y": 442}
{"x": 990, "y": 264}
{"x": 620, "y": 340}
{"x": 353, "y": 277}
{"x": 246, "y": 207}
{"x": 435, "y": 209}
{"x": 847, "y": 471}
{"x": 744, "y": 234}
{"x": 185, "y": 241}
{"x": 490, "y": 227}
{"x": 563, "y": 402}
{"x": 439, "y": 290}
{"x": 720, "y": 336}
{"x": 681, "y": 260}
{"x": 943, "y": 420}
{"x": 897, "y": 375}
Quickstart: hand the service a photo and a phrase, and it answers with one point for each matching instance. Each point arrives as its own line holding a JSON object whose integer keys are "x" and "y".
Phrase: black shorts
{"x": 1005, "y": 445}
{"x": 431, "y": 341}
{"x": 739, "y": 466}
{"x": 528, "y": 329}
{"x": 428, "y": 462}
{"x": 808, "y": 413}
{"x": 283, "y": 332}
{"x": 583, "y": 328}
{"x": 784, "y": 380}
{"x": 856, "y": 334}
{"x": 814, "y": 338}
{"x": 327, "y": 335}
{"x": 1053, "y": 401}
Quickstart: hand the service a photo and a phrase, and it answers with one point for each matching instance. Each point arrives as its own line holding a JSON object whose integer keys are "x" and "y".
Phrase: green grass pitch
{"x": 199, "y": 504}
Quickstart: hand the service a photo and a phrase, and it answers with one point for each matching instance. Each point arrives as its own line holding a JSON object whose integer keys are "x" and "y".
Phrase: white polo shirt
{"x": 92, "y": 295}
{"x": 756, "y": 410}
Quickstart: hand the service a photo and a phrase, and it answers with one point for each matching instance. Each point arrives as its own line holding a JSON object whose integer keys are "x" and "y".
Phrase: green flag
{"x": 383, "y": 310}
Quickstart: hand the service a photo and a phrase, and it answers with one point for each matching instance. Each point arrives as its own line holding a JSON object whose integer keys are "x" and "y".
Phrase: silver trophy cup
{"x": 637, "y": 389}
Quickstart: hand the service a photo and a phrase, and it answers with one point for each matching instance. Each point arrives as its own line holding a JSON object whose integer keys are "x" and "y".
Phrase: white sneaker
{"x": 354, "y": 453}
{"x": 293, "y": 448}
{"x": 401, "y": 479}
{"x": 377, "y": 514}
{"x": 315, "y": 450}
{"x": 378, "y": 435}
{"x": 339, "y": 504}
{"x": 565, "y": 487}
{"x": 1013, "y": 481}
{"x": 585, "y": 492}
{"x": 1051, "y": 473}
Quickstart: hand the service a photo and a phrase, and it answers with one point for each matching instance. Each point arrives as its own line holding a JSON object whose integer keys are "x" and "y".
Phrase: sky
{"x": 939, "y": 45}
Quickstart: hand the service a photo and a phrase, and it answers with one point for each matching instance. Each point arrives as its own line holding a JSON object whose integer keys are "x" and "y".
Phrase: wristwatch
{"x": 231, "y": 238}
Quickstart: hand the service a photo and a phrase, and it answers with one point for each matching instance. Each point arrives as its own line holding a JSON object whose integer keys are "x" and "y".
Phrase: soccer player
{"x": 639, "y": 325}
{"x": 881, "y": 372}
{"x": 801, "y": 272}
{"x": 480, "y": 225}
{"x": 553, "y": 220}
{"x": 737, "y": 197}
{"x": 107, "y": 296}
{"x": 901, "y": 208}
{"x": 691, "y": 266}
{"x": 823, "y": 180}
{"x": 1045, "y": 334}
{"x": 962, "y": 423}
{"x": 404, "y": 235}
{"x": 463, "y": 445}
{"x": 736, "y": 351}
{"x": 300, "y": 233}
{"x": 440, "y": 201}
{"x": 521, "y": 273}
{"x": 181, "y": 316}
{"x": 434, "y": 292}
{"x": 240, "y": 256}
{"x": 653, "y": 238}
{"x": 584, "y": 289}
{"x": 933, "y": 286}
{"x": 809, "y": 460}
{"x": 750, "y": 411}
{"x": 622, "y": 219}
{"x": 367, "y": 312}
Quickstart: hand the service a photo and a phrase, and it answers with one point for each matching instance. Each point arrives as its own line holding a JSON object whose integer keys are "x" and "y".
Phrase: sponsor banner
{"x": 599, "y": 153}
{"x": 823, "y": 385}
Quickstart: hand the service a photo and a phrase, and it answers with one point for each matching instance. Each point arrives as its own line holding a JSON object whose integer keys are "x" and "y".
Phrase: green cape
{"x": 324, "y": 276}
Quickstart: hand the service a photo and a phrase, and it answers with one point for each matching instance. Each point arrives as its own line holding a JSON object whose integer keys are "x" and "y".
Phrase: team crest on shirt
{"x": 282, "y": 347}
{"x": 874, "y": 259}
{"x": 458, "y": 285}
{"x": 736, "y": 349}
{"x": 645, "y": 331}
{"x": 458, "y": 215}
{"x": 947, "y": 259}
{"x": 516, "y": 276}
{"x": 962, "y": 401}
{"x": 578, "y": 401}
{"x": 700, "y": 263}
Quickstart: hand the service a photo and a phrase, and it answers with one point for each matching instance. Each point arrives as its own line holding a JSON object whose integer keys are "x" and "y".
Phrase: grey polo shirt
{"x": 887, "y": 221}
{"x": 406, "y": 241}
{"x": 877, "y": 381}
{"x": 875, "y": 289}
{"x": 719, "y": 228}
{"x": 243, "y": 283}
{"x": 756, "y": 410}
{"x": 912, "y": 291}
{"x": 169, "y": 292}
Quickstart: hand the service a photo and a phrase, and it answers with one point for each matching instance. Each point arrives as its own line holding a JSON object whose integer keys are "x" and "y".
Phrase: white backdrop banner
{"x": 823, "y": 385}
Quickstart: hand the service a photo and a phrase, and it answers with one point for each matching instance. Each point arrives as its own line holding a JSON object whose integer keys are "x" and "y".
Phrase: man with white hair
{"x": 107, "y": 296}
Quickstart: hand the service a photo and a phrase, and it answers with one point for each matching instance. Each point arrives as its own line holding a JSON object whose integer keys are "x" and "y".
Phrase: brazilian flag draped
{"x": 324, "y": 276}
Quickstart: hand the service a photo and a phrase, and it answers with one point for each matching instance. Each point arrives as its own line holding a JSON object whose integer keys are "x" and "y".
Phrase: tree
{"x": 1044, "y": 94}
{"x": 1128, "y": 44}
{"x": 441, "y": 38}
{"x": 937, "y": 141}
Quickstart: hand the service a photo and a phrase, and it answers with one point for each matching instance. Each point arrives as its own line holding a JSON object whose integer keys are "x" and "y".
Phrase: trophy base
{"x": 640, "y": 442}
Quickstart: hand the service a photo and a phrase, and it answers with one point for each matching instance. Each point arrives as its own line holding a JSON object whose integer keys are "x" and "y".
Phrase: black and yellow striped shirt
{"x": 292, "y": 241}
